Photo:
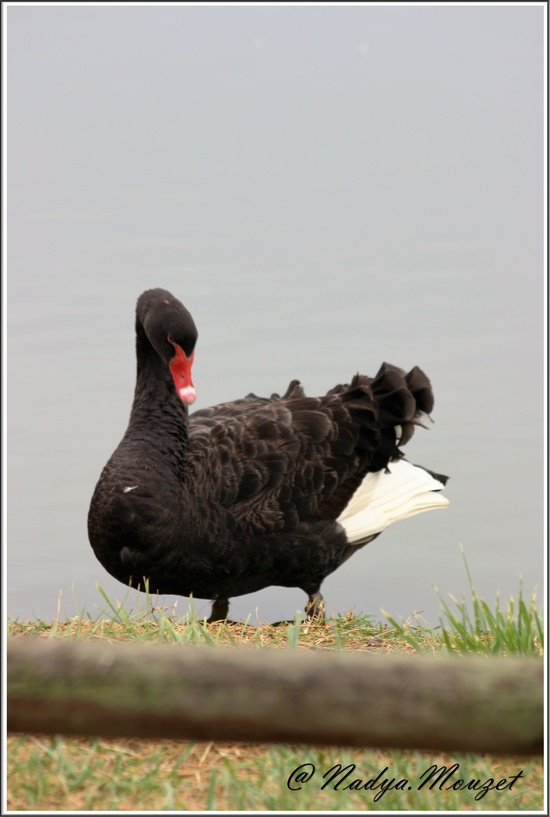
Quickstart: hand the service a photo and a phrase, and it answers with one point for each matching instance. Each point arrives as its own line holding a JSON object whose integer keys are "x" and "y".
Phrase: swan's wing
{"x": 273, "y": 462}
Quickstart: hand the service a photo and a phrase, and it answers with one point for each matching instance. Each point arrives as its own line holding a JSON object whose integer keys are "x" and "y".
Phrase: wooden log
{"x": 470, "y": 704}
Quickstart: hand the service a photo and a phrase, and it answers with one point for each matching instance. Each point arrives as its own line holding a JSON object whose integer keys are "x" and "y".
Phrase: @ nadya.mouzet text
{"x": 443, "y": 778}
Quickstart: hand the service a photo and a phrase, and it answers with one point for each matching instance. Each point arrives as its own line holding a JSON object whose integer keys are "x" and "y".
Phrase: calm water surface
{"x": 320, "y": 206}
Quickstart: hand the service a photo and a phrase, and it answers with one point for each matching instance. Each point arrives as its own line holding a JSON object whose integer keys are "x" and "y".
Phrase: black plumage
{"x": 246, "y": 494}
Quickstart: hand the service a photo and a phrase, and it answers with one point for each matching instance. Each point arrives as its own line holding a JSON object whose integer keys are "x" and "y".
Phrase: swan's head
{"x": 172, "y": 333}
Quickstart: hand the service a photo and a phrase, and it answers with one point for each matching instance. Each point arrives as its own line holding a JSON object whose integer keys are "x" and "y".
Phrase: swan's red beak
{"x": 180, "y": 366}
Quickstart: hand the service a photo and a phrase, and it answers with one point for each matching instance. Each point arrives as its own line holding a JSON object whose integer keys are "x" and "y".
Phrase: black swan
{"x": 256, "y": 492}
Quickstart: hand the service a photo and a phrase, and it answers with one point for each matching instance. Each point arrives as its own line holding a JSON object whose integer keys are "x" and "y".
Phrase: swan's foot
{"x": 315, "y": 607}
{"x": 220, "y": 610}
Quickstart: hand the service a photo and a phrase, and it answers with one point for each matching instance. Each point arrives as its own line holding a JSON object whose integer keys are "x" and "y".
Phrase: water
{"x": 324, "y": 189}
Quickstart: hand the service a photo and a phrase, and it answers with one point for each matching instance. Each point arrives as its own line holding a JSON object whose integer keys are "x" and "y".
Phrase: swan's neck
{"x": 158, "y": 419}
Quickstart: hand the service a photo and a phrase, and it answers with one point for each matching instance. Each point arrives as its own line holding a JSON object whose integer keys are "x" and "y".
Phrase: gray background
{"x": 325, "y": 188}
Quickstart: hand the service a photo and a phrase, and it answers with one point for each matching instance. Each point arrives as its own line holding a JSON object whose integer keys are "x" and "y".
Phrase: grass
{"x": 473, "y": 627}
{"x": 115, "y": 775}
{"x": 75, "y": 774}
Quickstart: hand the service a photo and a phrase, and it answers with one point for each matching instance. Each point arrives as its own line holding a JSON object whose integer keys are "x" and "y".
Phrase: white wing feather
{"x": 387, "y": 497}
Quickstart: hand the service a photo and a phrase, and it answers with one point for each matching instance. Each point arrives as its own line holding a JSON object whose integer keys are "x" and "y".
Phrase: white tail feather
{"x": 384, "y": 498}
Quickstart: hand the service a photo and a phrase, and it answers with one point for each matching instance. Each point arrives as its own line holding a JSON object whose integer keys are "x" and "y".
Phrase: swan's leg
{"x": 220, "y": 610}
{"x": 315, "y": 607}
